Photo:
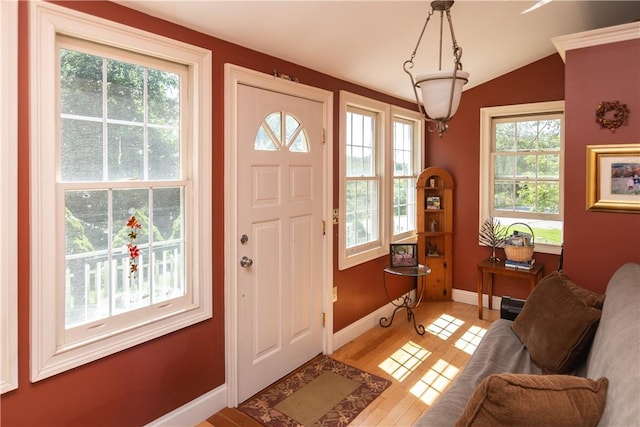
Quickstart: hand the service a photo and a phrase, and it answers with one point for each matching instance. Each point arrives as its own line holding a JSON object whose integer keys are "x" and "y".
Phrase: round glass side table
{"x": 406, "y": 302}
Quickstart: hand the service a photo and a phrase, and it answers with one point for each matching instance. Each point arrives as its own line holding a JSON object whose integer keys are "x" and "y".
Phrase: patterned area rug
{"x": 324, "y": 392}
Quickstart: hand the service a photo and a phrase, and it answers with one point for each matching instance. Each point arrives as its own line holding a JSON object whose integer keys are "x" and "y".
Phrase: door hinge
{"x": 324, "y": 319}
{"x": 324, "y": 227}
{"x": 324, "y": 136}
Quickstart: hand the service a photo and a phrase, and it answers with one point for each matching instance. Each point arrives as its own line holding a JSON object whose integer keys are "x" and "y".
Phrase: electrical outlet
{"x": 335, "y": 293}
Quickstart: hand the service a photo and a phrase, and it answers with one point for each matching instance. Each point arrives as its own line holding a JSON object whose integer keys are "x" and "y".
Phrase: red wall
{"x": 599, "y": 241}
{"x": 138, "y": 385}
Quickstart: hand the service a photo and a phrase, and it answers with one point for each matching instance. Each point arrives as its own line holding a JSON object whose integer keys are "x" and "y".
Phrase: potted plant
{"x": 492, "y": 234}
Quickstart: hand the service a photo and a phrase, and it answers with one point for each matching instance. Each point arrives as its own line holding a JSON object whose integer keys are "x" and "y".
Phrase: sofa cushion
{"x": 556, "y": 326}
{"x": 540, "y": 400}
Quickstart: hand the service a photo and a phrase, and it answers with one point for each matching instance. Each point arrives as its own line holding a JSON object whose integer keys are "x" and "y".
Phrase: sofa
{"x": 515, "y": 376}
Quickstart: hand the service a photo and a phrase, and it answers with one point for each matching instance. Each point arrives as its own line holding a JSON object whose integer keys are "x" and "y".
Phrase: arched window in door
{"x": 280, "y": 130}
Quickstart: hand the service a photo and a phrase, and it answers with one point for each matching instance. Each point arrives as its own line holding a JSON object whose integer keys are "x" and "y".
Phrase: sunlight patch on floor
{"x": 444, "y": 326}
{"x": 470, "y": 340}
{"x": 433, "y": 383}
{"x": 404, "y": 360}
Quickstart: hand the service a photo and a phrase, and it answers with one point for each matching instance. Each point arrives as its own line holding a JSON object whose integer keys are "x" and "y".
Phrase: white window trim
{"x": 46, "y": 21}
{"x": 384, "y": 163}
{"x": 9, "y": 195}
{"x": 487, "y": 114}
{"x": 418, "y": 163}
{"x": 382, "y": 111}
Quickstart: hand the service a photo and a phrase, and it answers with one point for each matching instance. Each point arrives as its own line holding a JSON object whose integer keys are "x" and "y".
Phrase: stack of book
{"x": 522, "y": 265}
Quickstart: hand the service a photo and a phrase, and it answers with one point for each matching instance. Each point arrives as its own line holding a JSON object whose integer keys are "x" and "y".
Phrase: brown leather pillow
{"x": 556, "y": 326}
{"x": 535, "y": 400}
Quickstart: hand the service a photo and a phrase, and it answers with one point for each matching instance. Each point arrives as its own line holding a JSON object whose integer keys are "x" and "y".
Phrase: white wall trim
{"x": 471, "y": 298}
{"x": 596, "y": 37}
{"x": 196, "y": 411}
{"x": 8, "y": 195}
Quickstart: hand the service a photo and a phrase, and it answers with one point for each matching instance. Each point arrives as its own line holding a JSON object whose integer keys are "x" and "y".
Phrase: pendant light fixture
{"x": 441, "y": 90}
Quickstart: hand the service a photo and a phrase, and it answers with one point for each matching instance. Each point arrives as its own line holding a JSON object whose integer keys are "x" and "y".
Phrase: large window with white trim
{"x": 521, "y": 169}
{"x": 380, "y": 159}
{"x": 121, "y": 170}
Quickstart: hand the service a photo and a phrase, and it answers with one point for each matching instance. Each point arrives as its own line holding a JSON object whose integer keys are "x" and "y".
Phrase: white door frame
{"x": 235, "y": 75}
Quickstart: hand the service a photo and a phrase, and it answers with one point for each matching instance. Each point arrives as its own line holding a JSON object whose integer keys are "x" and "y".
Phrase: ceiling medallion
{"x": 615, "y": 120}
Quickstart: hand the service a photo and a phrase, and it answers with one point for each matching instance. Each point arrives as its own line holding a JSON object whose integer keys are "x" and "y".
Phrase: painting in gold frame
{"x": 613, "y": 177}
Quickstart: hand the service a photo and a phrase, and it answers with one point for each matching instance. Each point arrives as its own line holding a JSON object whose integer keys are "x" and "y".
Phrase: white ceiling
{"x": 366, "y": 42}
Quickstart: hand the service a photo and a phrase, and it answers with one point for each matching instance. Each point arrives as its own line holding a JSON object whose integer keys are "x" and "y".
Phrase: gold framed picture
{"x": 613, "y": 177}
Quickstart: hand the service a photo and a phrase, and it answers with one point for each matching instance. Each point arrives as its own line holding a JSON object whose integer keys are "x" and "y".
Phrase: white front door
{"x": 280, "y": 235}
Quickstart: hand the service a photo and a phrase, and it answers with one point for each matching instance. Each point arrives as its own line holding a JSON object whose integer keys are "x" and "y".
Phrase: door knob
{"x": 246, "y": 262}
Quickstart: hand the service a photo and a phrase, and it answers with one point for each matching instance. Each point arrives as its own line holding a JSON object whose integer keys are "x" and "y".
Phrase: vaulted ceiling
{"x": 367, "y": 42}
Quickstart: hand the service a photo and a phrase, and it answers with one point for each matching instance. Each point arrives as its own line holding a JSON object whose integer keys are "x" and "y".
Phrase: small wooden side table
{"x": 420, "y": 271}
{"x": 497, "y": 267}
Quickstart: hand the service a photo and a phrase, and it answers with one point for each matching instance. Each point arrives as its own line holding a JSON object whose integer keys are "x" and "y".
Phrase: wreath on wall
{"x": 613, "y": 121}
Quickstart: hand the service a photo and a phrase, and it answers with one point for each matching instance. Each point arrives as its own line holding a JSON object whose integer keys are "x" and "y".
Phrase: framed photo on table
{"x": 613, "y": 177}
{"x": 403, "y": 255}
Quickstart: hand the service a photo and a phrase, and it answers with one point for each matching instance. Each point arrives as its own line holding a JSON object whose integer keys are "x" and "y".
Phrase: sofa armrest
{"x": 510, "y": 307}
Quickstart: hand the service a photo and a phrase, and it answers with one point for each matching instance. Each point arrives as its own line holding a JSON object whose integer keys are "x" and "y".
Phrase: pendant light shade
{"x": 439, "y": 102}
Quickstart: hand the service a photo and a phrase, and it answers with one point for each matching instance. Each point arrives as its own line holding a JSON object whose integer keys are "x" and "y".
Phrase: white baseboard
{"x": 194, "y": 412}
{"x": 470, "y": 297}
{"x": 361, "y": 326}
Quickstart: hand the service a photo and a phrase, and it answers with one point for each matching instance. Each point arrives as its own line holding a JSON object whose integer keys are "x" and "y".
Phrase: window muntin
{"x": 521, "y": 169}
{"x": 54, "y": 348}
{"x": 362, "y": 181}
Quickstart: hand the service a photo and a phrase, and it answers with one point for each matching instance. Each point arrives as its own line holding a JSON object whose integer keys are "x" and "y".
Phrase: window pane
{"x": 164, "y": 98}
{"x": 404, "y": 205}
{"x": 549, "y": 166}
{"x": 81, "y": 152}
{"x": 526, "y": 166}
{"x": 402, "y": 149}
{"x": 80, "y": 84}
{"x": 291, "y": 126}
{"x": 126, "y": 151}
{"x": 360, "y": 145}
{"x": 164, "y": 154}
{"x": 86, "y": 259}
{"x": 504, "y": 137}
{"x": 503, "y": 195}
{"x": 130, "y": 283}
{"x": 274, "y": 121}
{"x": 362, "y": 212}
{"x": 168, "y": 279}
{"x": 504, "y": 166}
{"x": 125, "y": 91}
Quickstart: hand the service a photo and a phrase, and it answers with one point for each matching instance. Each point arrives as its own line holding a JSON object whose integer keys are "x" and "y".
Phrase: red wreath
{"x": 620, "y": 116}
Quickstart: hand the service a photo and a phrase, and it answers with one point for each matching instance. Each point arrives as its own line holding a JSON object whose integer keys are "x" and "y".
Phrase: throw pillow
{"x": 556, "y": 327}
{"x": 535, "y": 400}
{"x": 590, "y": 298}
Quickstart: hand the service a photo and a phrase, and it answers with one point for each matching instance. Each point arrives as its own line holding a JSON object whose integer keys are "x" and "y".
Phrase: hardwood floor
{"x": 420, "y": 367}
